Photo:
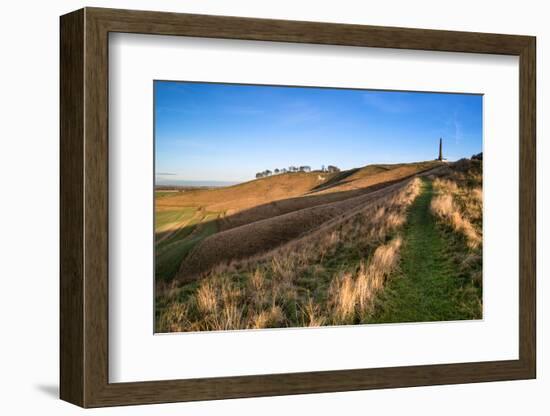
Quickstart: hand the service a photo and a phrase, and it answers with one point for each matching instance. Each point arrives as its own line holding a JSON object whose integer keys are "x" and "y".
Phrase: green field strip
{"x": 170, "y": 253}
{"x": 163, "y": 219}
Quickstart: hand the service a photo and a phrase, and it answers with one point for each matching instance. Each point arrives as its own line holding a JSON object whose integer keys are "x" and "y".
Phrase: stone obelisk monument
{"x": 440, "y": 158}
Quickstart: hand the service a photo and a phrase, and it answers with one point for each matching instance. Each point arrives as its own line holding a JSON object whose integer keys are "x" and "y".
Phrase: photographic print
{"x": 286, "y": 206}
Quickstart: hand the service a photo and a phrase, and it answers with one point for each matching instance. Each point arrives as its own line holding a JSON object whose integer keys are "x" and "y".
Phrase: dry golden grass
{"x": 174, "y": 318}
{"x": 443, "y": 205}
{"x": 342, "y": 298}
{"x": 459, "y": 199}
{"x": 312, "y": 314}
{"x": 352, "y": 296}
{"x": 445, "y": 208}
{"x": 207, "y": 299}
{"x": 267, "y": 318}
{"x": 265, "y": 290}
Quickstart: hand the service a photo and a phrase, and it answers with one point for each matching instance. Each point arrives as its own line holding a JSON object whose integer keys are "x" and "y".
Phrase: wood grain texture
{"x": 162, "y": 23}
{"x": 96, "y": 219}
{"x": 84, "y": 204}
{"x": 527, "y": 207}
{"x": 71, "y": 208}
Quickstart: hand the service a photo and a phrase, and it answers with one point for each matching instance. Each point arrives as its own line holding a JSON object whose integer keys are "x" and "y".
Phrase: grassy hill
{"x": 234, "y": 198}
{"x": 268, "y": 212}
{"x": 381, "y": 243}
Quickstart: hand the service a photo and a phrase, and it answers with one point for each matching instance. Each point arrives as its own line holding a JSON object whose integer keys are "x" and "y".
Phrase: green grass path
{"x": 428, "y": 287}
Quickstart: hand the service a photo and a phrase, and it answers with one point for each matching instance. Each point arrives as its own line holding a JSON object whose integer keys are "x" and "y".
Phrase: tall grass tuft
{"x": 353, "y": 295}
{"x": 457, "y": 206}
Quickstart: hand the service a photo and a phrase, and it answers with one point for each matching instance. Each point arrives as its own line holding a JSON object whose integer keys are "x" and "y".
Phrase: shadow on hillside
{"x": 284, "y": 206}
{"x": 265, "y": 211}
{"x": 192, "y": 236}
{"x": 335, "y": 180}
{"x": 273, "y": 209}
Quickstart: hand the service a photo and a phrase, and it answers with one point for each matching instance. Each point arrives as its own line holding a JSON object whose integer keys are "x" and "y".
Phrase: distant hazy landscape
{"x": 182, "y": 183}
{"x": 271, "y": 242}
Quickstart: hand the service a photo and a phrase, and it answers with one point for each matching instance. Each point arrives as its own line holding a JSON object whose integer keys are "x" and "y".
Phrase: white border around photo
{"x": 136, "y": 354}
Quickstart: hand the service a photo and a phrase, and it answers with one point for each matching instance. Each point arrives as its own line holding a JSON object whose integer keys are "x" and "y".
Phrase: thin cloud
{"x": 387, "y": 103}
{"x": 244, "y": 111}
{"x": 300, "y": 112}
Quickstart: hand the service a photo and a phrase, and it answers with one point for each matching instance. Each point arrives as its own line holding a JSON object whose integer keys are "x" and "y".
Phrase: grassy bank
{"x": 408, "y": 251}
{"x": 430, "y": 285}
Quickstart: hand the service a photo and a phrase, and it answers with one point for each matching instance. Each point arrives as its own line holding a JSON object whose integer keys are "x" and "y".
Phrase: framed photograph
{"x": 255, "y": 207}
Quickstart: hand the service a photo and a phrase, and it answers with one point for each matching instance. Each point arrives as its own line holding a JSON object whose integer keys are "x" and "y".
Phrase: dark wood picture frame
{"x": 84, "y": 207}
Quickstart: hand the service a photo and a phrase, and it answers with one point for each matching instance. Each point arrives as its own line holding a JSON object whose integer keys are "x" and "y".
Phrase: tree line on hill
{"x": 294, "y": 169}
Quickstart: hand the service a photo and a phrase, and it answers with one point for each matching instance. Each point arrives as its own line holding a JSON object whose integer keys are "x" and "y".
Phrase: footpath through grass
{"x": 429, "y": 286}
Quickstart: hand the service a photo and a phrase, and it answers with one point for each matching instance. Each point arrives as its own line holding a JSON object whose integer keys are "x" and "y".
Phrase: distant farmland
{"x": 380, "y": 243}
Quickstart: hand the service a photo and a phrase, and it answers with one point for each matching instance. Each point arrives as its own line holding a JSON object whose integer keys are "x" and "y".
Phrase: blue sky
{"x": 228, "y": 132}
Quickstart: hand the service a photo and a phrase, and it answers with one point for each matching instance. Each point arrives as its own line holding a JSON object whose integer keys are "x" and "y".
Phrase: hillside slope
{"x": 338, "y": 187}
{"x": 265, "y": 206}
{"x": 373, "y": 174}
{"x": 257, "y": 237}
{"x": 260, "y": 236}
{"x": 235, "y": 198}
